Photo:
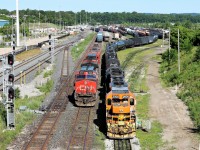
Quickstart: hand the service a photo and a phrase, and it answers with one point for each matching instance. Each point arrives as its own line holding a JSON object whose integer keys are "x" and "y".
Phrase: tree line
{"x": 70, "y": 17}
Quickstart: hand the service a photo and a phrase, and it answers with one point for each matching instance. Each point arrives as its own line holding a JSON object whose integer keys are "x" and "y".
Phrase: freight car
{"x": 137, "y": 41}
{"x": 87, "y": 77}
{"x": 99, "y": 37}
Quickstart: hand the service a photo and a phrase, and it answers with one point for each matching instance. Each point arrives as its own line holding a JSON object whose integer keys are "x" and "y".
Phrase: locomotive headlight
{"x": 115, "y": 96}
{"x": 125, "y": 96}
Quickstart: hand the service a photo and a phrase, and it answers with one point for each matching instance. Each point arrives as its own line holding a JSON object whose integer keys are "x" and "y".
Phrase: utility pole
{"x": 25, "y": 31}
{"x": 179, "y": 68}
{"x": 90, "y": 18}
{"x": 75, "y": 20}
{"x": 17, "y": 22}
{"x": 163, "y": 38}
{"x": 34, "y": 29}
{"x": 169, "y": 43}
{"x": 86, "y": 19}
{"x": 80, "y": 18}
{"x": 39, "y": 20}
{"x": 60, "y": 21}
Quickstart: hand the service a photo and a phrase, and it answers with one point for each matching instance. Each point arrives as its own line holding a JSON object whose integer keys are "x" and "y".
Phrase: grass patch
{"x": 99, "y": 140}
{"x": 151, "y": 140}
{"x": 143, "y": 106}
{"x": 46, "y": 88}
{"x": 80, "y": 47}
{"x": 27, "y": 54}
{"x": 48, "y": 73}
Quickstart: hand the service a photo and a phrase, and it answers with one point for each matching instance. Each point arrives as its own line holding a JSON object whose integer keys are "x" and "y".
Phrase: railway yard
{"x": 77, "y": 113}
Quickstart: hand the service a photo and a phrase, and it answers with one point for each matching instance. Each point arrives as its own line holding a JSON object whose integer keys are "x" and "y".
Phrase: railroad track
{"x": 122, "y": 144}
{"x": 80, "y": 137}
{"x": 44, "y": 132}
{"x": 41, "y": 137}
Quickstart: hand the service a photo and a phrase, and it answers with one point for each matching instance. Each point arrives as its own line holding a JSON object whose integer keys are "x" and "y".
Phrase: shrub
{"x": 17, "y": 93}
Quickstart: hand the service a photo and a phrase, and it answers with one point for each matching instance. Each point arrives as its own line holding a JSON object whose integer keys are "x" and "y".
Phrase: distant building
{"x": 3, "y": 22}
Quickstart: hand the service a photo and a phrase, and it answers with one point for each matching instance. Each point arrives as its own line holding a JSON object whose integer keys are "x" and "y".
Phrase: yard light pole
{"x": 169, "y": 43}
{"x": 17, "y": 22}
{"x": 179, "y": 68}
{"x": 25, "y": 31}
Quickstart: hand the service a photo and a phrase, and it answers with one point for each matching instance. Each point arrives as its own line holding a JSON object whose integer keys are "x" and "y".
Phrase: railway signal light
{"x": 11, "y": 93}
{"x": 11, "y": 78}
{"x": 10, "y": 59}
{"x": 49, "y": 48}
{"x": 49, "y": 36}
{"x": 13, "y": 45}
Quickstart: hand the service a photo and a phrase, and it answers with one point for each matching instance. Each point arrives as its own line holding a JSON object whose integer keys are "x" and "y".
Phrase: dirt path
{"x": 170, "y": 112}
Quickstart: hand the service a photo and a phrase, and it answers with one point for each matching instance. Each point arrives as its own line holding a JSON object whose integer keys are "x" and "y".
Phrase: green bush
{"x": 46, "y": 88}
{"x": 48, "y": 73}
{"x": 17, "y": 93}
{"x": 3, "y": 114}
{"x": 197, "y": 55}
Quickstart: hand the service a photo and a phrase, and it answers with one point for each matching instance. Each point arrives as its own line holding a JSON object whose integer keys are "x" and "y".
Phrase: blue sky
{"x": 146, "y": 6}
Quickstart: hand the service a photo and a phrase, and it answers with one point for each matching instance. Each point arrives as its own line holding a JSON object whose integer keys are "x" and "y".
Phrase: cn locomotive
{"x": 87, "y": 77}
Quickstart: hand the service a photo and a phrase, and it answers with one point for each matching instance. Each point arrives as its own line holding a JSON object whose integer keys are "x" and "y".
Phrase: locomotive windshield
{"x": 91, "y": 77}
{"x": 80, "y": 76}
{"x": 85, "y": 77}
{"x": 120, "y": 91}
{"x": 91, "y": 56}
